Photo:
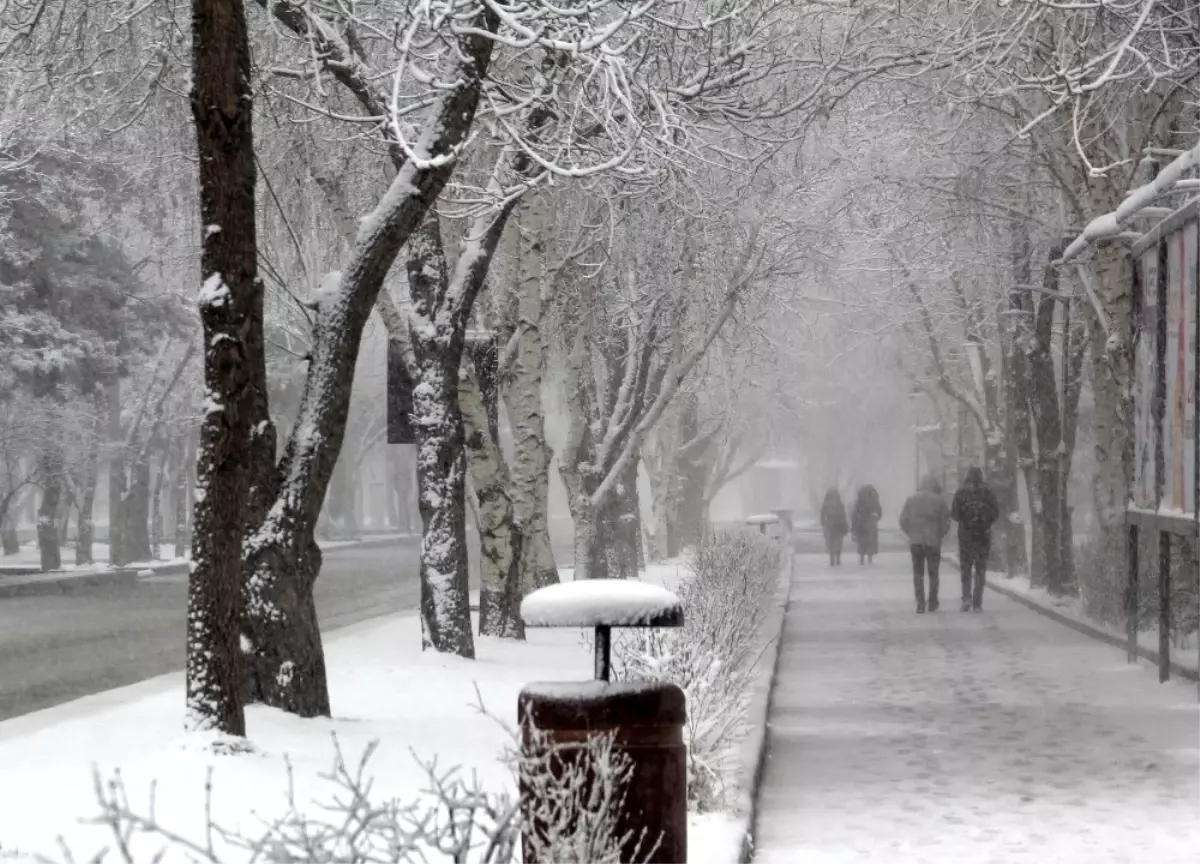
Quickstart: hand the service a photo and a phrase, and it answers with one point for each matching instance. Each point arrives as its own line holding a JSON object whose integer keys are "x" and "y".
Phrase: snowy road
{"x": 967, "y": 739}
{"x": 57, "y": 648}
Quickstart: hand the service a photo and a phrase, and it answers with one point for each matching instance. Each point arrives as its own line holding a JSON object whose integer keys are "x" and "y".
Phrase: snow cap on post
{"x": 602, "y": 604}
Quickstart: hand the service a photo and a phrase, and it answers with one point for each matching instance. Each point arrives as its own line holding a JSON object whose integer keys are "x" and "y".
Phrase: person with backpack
{"x": 864, "y": 523}
{"x": 975, "y": 510}
{"x": 925, "y": 519}
{"x": 834, "y": 525}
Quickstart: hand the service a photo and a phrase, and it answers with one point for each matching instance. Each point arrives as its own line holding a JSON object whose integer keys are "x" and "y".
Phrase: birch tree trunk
{"x": 523, "y": 400}
{"x": 500, "y": 589}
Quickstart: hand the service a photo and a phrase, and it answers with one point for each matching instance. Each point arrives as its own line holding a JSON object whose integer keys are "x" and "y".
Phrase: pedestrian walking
{"x": 925, "y": 520}
{"x": 864, "y": 523}
{"x": 834, "y": 525}
{"x": 975, "y": 510}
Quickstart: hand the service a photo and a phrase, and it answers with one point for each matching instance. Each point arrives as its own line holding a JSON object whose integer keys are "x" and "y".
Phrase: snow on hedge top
{"x": 593, "y": 602}
{"x": 762, "y": 519}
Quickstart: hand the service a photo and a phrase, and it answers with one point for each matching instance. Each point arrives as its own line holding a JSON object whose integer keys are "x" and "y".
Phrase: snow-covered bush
{"x": 578, "y": 790}
{"x": 713, "y": 657}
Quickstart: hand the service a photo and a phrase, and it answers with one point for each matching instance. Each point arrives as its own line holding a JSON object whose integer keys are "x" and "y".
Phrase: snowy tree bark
{"x": 500, "y": 588}
{"x": 284, "y": 654}
{"x": 523, "y": 398}
{"x": 231, "y": 313}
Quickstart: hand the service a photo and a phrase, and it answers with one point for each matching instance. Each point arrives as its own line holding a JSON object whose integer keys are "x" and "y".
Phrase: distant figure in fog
{"x": 975, "y": 510}
{"x": 864, "y": 523}
{"x": 925, "y": 519}
{"x": 833, "y": 523}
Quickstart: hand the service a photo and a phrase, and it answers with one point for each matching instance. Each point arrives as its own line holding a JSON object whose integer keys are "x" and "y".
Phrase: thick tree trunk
{"x": 63, "y": 522}
{"x": 47, "y": 530}
{"x": 523, "y": 401}
{"x": 231, "y": 313}
{"x": 500, "y": 541}
{"x": 285, "y": 659}
{"x": 441, "y": 458}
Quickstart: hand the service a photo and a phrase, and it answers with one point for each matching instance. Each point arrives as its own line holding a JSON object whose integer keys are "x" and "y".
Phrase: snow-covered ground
{"x": 948, "y": 738}
{"x": 383, "y": 688}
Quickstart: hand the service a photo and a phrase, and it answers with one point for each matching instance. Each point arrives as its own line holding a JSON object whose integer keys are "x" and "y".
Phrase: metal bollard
{"x": 645, "y": 717}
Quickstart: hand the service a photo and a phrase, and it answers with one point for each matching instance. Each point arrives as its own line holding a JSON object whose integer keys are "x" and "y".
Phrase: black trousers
{"x": 973, "y": 558}
{"x": 925, "y": 559}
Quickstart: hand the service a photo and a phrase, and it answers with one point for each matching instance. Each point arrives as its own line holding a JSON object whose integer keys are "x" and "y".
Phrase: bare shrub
{"x": 578, "y": 790}
{"x": 713, "y": 657}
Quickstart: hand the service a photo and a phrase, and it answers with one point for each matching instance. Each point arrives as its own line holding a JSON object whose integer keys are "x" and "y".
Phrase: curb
{"x": 1083, "y": 627}
{"x": 35, "y": 583}
{"x": 754, "y": 748}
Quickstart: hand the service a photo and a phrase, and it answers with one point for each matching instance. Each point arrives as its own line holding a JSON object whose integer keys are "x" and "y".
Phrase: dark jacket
{"x": 864, "y": 521}
{"x": 926, "y": 517}
{"x": 833, "y": 515}
{"x": 975, "y": 509}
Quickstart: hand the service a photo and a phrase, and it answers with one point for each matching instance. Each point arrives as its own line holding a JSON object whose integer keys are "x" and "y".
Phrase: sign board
{"x": 1165, "y": 364}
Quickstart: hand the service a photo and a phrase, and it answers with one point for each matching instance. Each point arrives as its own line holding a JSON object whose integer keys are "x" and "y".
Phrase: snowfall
{"x": 417, "y": 706}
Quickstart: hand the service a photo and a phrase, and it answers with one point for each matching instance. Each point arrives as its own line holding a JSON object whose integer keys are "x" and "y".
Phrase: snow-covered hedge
{"x": 712, "y": 658}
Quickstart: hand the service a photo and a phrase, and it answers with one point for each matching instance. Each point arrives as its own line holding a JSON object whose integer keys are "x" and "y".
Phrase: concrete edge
{"x": 753, "y": 756}
{"x": 1083, "y": 627}
{"x": 38, "y": 584}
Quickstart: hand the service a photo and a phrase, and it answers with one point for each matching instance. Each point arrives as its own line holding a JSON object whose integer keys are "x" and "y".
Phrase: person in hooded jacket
{"x": 864, "y": 523}
{"x": 925, "y": 519}
{"x": 975, "y": 509}
{"x": 834, "y": 525}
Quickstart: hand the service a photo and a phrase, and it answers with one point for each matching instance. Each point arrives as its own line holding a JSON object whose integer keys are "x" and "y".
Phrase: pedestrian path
{"x": 967, "y": 738}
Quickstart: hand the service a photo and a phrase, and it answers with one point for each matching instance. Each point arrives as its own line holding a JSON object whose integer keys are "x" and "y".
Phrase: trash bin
{"x": 645, "y": 717}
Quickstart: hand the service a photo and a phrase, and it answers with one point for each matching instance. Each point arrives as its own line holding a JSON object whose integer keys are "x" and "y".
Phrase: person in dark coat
{"x": 864, "y": 523}
{"x": 925, "y": 519}
{"x": 833, "y": 523}
{"x": 975, "y": 509}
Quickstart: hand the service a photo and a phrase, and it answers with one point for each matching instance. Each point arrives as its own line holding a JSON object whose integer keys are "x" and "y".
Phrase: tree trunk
{"x": 626, "y": 547}
{"x": 441, "y": 459}
{"x": 47, "y": 530}
{"x": 156, "y": 514}
{"x": 183, "y": 497}
{"x": 500, "y": 541}
{"x": 135, "y": 530}
{"x": 231, "y": 313}
{"x": 63, "y": 523}
{"x": 86, "y": 529}
{"x": 9, "y": 538}
{"x": 523, "y": 400}
{"x": 116, "y": 474}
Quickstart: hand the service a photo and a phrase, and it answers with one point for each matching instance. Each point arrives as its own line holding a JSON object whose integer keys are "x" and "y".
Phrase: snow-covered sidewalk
{"x": 383, "y": 688}
{"x": 951, "y": 737}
